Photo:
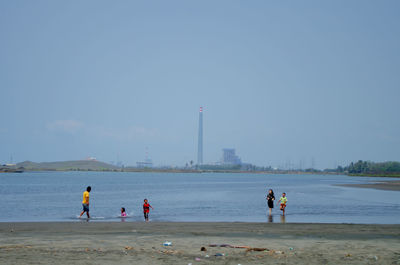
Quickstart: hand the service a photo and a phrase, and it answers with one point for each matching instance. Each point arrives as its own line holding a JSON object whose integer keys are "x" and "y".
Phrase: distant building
{"x": 147, "y": 163}
{"x": 144, "y": 164}
{"x": 229, "y": 157}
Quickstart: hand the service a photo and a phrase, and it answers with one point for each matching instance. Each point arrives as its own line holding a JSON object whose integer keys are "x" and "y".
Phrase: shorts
{"x": 271, "y": 204}
{"x": 85, "y": 207}
{"x": 283, "y": 206}
{"x": 146, "y": 215}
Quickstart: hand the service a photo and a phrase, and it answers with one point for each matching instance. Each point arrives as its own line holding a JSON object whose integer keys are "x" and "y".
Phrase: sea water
{"x": 194, "y": 197}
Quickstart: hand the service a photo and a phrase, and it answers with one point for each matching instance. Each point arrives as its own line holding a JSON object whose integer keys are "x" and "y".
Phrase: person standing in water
{"x": 270, "y": 200}
{"x": 283, "y": 201}
{"x": 146, "y": 209}
{"x": 85, "y": 202}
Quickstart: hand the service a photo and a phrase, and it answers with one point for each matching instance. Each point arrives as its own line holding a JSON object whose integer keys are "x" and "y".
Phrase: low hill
{"x": 83, "y": 165}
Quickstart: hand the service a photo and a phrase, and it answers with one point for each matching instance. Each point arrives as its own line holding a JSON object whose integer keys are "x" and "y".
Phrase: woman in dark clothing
{"x": 270, "y": 199}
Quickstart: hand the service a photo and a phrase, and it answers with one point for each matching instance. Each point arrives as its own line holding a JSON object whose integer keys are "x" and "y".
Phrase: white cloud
{"x": 68, "y": 126}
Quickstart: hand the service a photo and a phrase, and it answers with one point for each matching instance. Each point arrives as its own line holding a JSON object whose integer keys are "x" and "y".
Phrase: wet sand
{"x": 380, "y": 185}
{"x": 141, "y": 243}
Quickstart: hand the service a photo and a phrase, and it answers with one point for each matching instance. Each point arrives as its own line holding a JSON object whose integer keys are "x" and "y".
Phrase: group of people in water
{"x": 146, "y": 206}
{"x": 85, "y": 206}
{"x": 282, "y": 201}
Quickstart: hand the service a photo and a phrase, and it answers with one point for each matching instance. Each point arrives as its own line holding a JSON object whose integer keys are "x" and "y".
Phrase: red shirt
{"x": 146, "y": 207}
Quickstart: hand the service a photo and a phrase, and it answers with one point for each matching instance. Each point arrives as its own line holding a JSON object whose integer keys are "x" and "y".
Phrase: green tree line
{"x": 368, "y": 167}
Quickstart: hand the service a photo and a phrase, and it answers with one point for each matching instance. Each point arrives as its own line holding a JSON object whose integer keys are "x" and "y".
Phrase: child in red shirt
{"x": 146, "y": 210}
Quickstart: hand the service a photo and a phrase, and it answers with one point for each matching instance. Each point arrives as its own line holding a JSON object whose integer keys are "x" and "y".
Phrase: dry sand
{"x": 141, "y": 243}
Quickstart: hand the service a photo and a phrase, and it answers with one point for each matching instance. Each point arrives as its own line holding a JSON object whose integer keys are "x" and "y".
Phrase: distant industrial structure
{"x": 147, "y": 163}
{"x": 144, "y": 164}
{"x": 229, "y": 157}
{"x": 200, "y": 139}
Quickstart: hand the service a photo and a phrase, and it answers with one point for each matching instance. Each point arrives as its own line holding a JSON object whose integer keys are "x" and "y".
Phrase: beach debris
{"x": 290, "y": 248}
{"x": 203, "y": 249}
{"x": 189, "y": 263}
{"x": 221, "y": 245}
{"x": 257, "y": 249}
{"x": 167, "y": 243}
{"x": 348, "y": 255}
{"x": 128, "y": 247}
{"x": 170, "y": 251}
{"x": 219, "y": 254}
{"x": 227, "y": 246}
{"x": 273, "y": 252}
{"x": 375, "y": 258}
{"x": 197, "y": 259}
{"x": 207, "y": 256}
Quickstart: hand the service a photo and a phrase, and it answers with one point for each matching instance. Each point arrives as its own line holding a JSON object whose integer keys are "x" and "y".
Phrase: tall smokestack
{"x": 200, "y": 143}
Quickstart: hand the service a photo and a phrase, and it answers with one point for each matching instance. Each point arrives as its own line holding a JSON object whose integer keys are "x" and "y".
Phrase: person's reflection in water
{"x": 122, "y": 219}
{"x": 84, "y": 220}
{"x": 283, "y": 219}
{"x": 270, "y": 218}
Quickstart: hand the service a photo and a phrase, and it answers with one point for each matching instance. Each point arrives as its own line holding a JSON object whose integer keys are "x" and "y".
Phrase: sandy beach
{"x": 380, "y": 185}
{"x": 231, "y": 243}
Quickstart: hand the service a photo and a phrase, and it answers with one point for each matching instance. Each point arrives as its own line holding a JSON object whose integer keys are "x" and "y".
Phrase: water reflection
{"x": 283, "y": 219}
{"x": 270, "y": 218}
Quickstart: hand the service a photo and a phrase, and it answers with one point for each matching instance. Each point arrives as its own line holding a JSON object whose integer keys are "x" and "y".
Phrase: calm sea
{"x": 57, "y": 196}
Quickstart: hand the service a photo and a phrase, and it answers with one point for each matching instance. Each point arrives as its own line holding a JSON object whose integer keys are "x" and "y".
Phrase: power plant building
{"x": 229, "y": 157}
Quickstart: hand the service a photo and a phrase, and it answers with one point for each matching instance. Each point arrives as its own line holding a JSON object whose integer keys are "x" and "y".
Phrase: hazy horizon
{"x": 281, "y": 82}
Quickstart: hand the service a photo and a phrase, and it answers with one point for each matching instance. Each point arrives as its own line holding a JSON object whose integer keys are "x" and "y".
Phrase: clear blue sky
{"x": 279, "y": 81}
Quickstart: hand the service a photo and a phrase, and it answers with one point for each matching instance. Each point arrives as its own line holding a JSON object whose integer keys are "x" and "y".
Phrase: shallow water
{"x": 207, "y": 197}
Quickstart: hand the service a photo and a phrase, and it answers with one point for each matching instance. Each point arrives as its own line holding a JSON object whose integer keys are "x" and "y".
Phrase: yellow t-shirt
{"x": 283, "y": 200}
{"x": 85, "y": 197}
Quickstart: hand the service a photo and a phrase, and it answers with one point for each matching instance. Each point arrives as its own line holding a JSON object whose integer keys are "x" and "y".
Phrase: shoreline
{"x": 224, "y": 243}
{"x": 392, "y": 185}
{"x": 206, "y": 228}
{"x": 279, "y": 172}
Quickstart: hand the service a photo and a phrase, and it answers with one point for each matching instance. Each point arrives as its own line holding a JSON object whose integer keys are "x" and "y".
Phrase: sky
{"x": 285, "y": 83}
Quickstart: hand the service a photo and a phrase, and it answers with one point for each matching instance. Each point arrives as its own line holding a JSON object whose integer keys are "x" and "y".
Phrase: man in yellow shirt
{"x": 85, "y": 202}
